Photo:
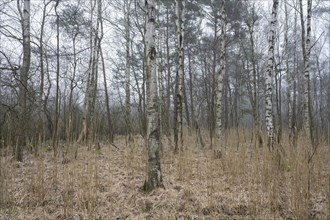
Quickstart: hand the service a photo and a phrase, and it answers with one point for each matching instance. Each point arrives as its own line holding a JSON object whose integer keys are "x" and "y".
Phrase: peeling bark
{"x": 154, "y": 173}
{"x": 179, "y": 21}
{"x": 306, "y": 45}
{"x": 219, "y": 91}
{"x": 269, "y": 77}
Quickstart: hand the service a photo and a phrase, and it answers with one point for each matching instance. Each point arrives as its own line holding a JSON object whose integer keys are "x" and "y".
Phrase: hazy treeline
{"x": 86, "y": 80}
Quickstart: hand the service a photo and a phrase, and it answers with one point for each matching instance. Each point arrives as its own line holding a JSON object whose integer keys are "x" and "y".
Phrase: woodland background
{"x": 242, "y": 95}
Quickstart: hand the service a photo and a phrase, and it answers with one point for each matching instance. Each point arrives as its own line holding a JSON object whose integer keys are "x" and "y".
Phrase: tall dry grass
{"x": 245, "y": 183}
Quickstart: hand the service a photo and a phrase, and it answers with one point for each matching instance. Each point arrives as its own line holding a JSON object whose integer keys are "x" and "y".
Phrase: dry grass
{"x": 246, "y": 183}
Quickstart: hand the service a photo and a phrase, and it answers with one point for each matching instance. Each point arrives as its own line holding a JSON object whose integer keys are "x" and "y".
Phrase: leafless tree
{"x": 24, "y": 75}
{"x": 154, "y": 173}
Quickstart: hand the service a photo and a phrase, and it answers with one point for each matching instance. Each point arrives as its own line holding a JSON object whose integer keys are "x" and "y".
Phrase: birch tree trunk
{"x": 168, "y": 79}
{"x": 212, "y": 84}
{"x": 41, "y": 52}
{"x": 306, "y": 45}
{"x": 288, "y": 74}
{"x": 278, "y": 95}
{"x": 24, "y": 75}
{"x": 269, "y": 77}
{"x": 294, "y": 89}
{"x": 55, "y": 134}
{"x": 127, "y": 6}
{"x": 154, "y": 173}
{"x": 219, "y": 126}
{"x": 328, "y": 94}
{"x": 179, "y": 22}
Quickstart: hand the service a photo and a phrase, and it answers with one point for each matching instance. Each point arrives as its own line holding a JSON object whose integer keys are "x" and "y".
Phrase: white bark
{"x": 154, "y": 174}
{"x": 269, "y": 77}
{"x": 219, "y": 91}
{"x": 307, "y": 106}
{"x": 56, "y": 126}
{"x": 306, "y": 46}
{"x": 179, "y": 21}
{"x": 127, "y": 6}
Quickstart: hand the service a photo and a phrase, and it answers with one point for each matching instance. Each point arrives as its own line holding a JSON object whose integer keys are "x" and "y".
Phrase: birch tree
{"x": 56, "y": 124}
{"x": 219, "y": 125}
{"x": 179, "y": 22}
{"x": 24, "y": 75}
{"x": 294, "y": 83}
{"x": 306, "y": 46}
{"x": 288, "y": 73}
{"x": 154, "y": 174}
{"x": 167, "y": 116}
{"x": 127, "y": 8}
{"x": 41, "y": 51}
{"x": 269, "y": 77}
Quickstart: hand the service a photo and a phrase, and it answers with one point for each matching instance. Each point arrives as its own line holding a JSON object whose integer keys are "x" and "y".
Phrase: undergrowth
{"x": 244, "y": 183}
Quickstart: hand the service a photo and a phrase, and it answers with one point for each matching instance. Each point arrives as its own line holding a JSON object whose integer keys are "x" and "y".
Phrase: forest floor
{"x": 106, "y": 184}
